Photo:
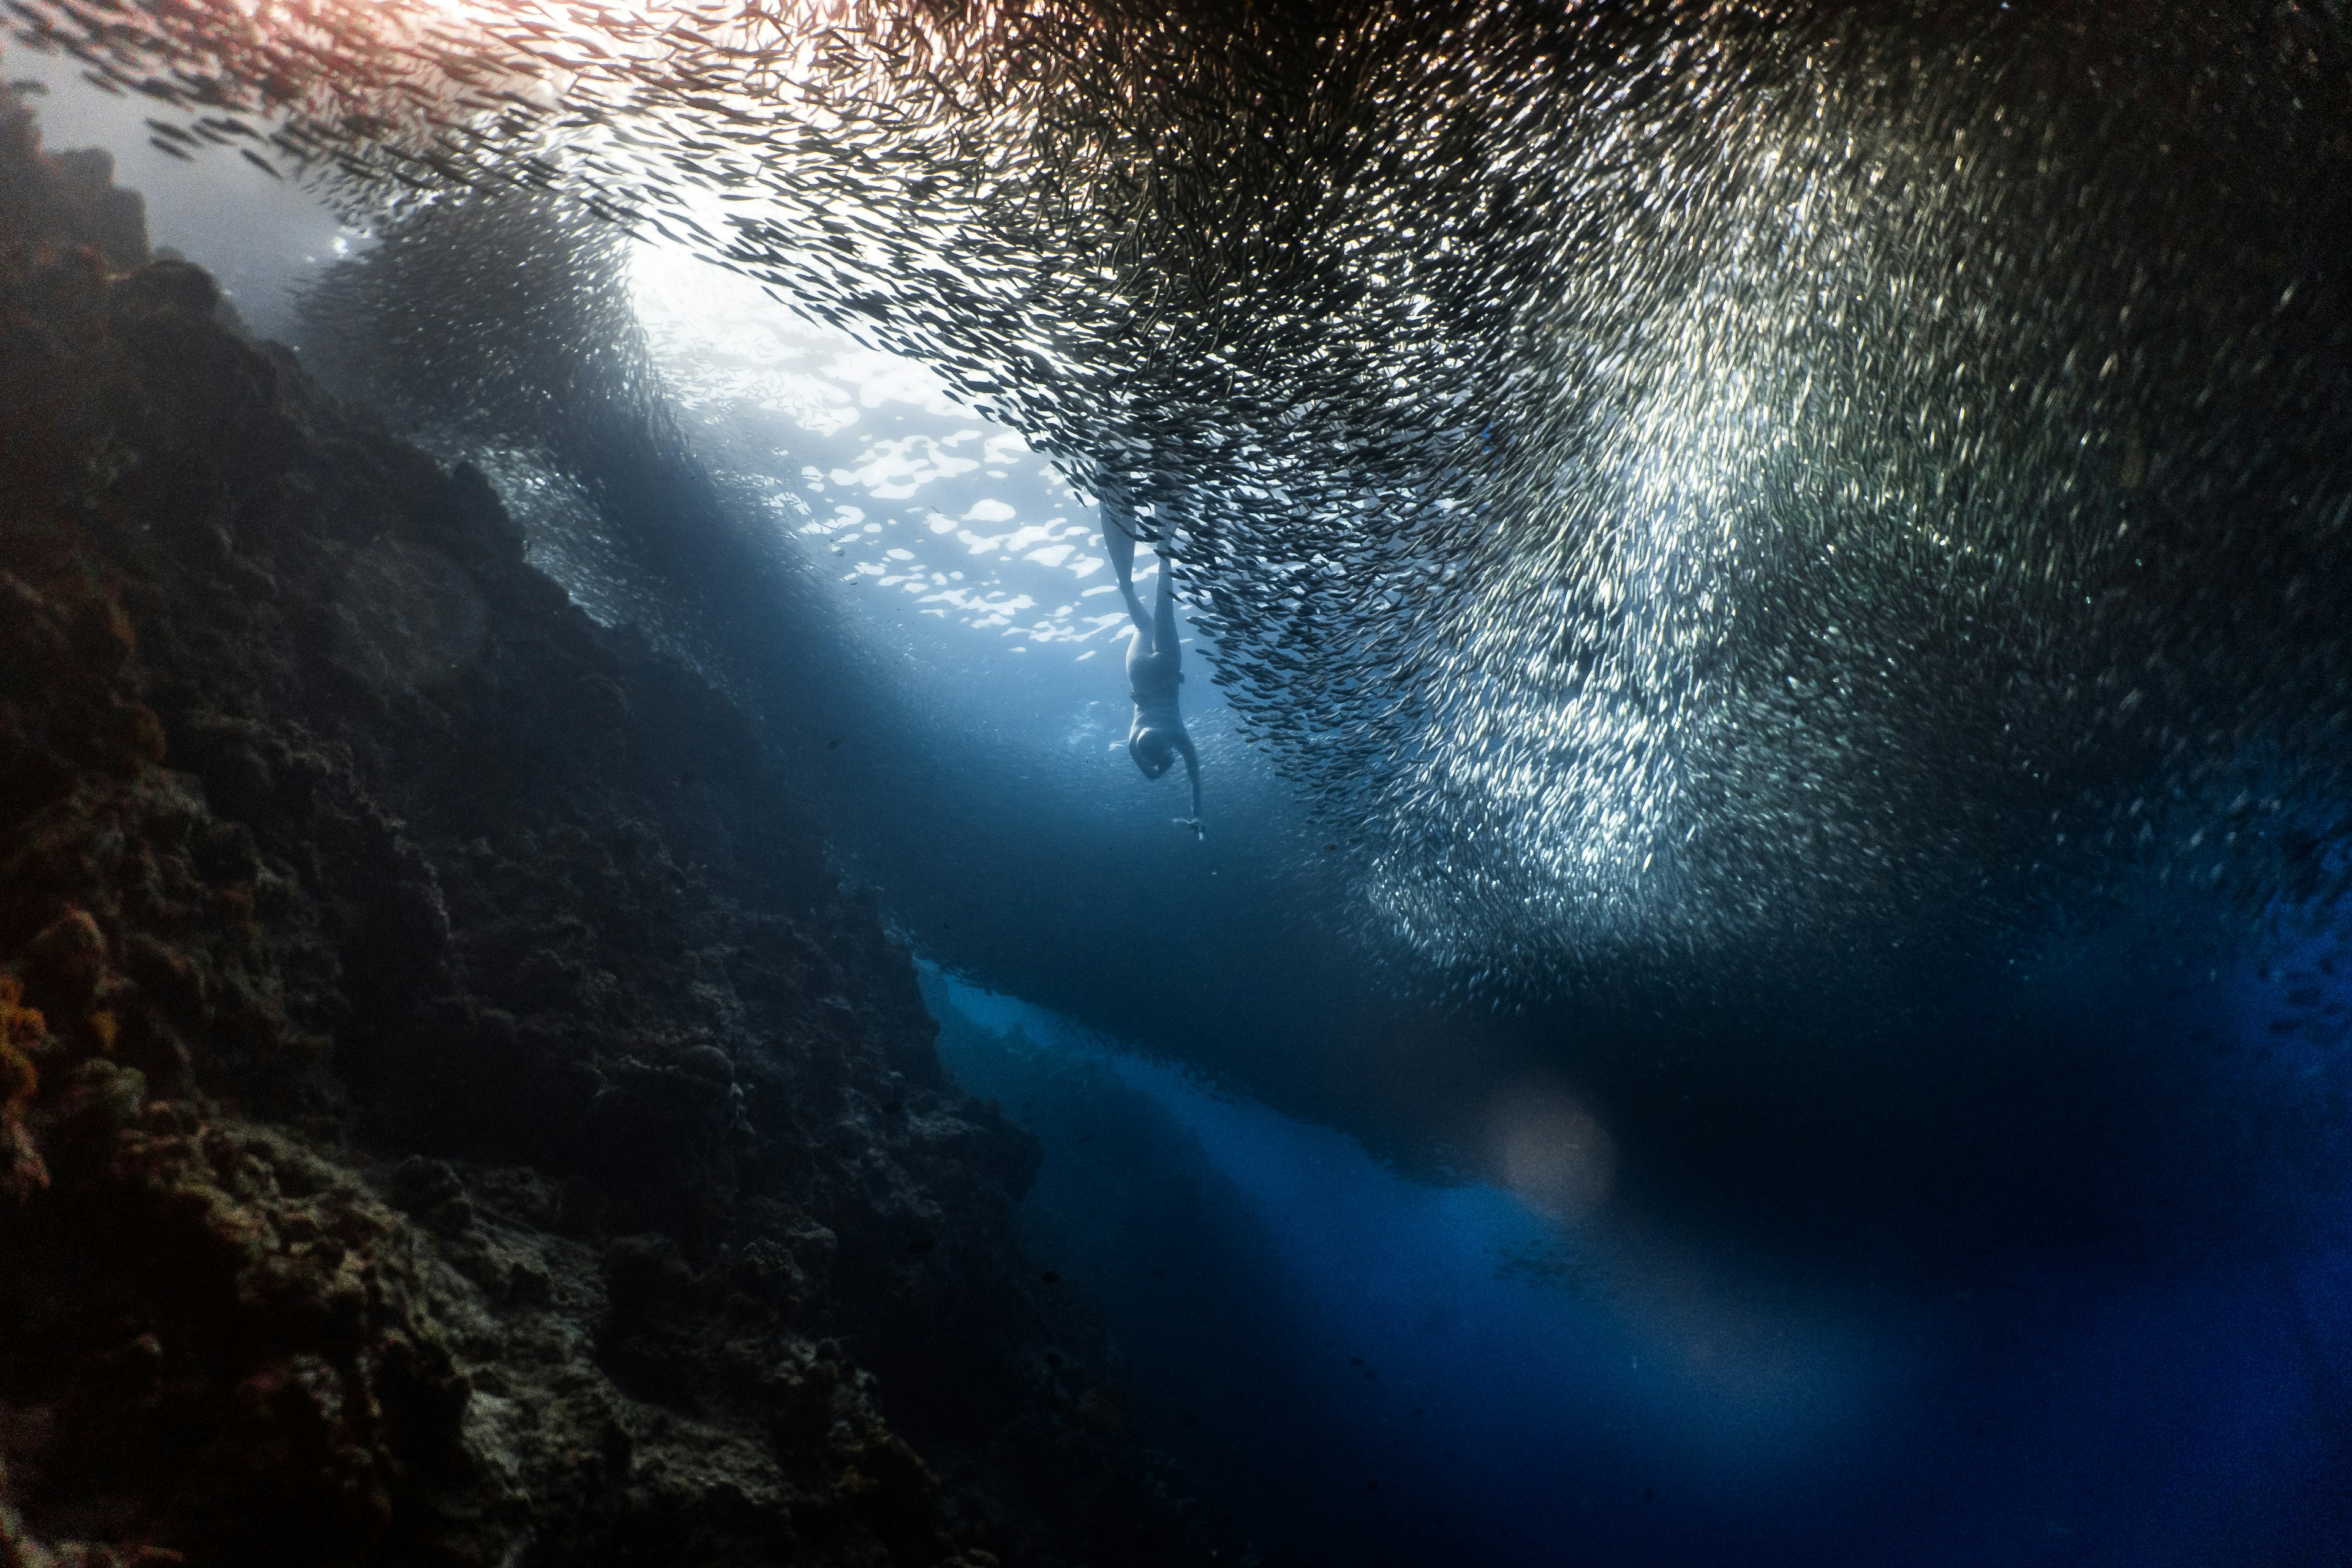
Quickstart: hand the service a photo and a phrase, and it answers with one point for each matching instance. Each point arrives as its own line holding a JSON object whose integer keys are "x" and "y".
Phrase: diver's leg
{"x": 1163, "y": 629}
{"x": 1118, "y": 544}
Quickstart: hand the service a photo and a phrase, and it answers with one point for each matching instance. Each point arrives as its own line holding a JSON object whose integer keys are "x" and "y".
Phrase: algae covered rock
{"x": 426, "y": 1134}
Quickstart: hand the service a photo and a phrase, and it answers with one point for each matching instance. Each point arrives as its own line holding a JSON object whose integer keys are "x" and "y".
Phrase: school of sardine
{"x": 1668, "y": 478}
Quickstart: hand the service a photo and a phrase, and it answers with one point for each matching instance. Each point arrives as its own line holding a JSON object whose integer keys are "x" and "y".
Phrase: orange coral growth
{"x": 22, "y": 1173}
{"x": 237, "y": 903}
{"x": 19, "y": 1078}
{"x": 105, "y": 633}
{"x": 139, "y": 732}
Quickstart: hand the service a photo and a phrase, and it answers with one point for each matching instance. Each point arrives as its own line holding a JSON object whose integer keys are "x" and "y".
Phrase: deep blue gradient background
{"x": 2039, "y": 1256}
{"x": 1360, "y": 1367}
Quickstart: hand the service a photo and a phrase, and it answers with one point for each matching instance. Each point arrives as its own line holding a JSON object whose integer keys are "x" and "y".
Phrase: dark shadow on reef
{"x": 453, "y": 1113}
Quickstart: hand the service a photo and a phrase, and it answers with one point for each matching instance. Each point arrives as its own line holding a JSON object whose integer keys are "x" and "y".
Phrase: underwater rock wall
{"x": 449, "y": 1109}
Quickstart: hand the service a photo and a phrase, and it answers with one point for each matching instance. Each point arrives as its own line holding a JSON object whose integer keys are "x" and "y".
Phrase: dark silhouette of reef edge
{"x": 450, "y": 1110}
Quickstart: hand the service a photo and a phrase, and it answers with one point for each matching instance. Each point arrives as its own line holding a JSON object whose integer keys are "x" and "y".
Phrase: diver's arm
{"x": 1191, "y": 771}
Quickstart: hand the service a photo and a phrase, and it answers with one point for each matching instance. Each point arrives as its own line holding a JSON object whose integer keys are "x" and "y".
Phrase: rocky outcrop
{"x": 449, "y": 1109}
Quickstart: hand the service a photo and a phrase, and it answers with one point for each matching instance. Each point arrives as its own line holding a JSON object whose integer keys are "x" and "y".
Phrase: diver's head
{"x": 1153, "y": 751}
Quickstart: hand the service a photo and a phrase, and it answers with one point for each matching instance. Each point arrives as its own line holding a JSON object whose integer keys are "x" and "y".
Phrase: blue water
{"x": 1356, "y": 1366}
{"x": 2045, "y": 1258}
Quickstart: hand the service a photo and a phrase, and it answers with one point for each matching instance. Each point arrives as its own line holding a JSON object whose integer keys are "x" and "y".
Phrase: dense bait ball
{"x": 1669, "y": 477}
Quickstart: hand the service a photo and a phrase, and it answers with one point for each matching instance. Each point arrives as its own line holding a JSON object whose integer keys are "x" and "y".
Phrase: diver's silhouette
{"x": 1154, "y": 668}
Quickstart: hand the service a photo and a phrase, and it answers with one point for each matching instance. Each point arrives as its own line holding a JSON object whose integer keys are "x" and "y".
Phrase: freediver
{"x": 1154, "y": 668}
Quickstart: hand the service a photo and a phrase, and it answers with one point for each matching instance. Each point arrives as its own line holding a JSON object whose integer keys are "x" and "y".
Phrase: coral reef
{"x": 450, "y": 1112}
